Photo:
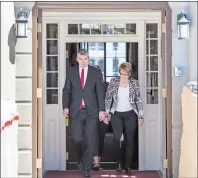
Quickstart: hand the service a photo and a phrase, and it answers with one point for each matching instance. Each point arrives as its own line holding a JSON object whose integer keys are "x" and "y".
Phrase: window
{"x": 92, "y": 46}
{"x": 115, "y": 65}
{"x": 115, "y": 46}
{"x": 101, "y": 46}
{"x": 101, "y": 65}
{"x": 102, "y": 29}
{"x": 152, "y": 85}
{"x": 92, "y": 62}
{"x": 106, "y": 57}
{"x": 52, "y": 64}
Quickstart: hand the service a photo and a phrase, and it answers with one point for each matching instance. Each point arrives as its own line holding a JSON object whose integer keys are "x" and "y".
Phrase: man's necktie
{"x": 82, "y": 85}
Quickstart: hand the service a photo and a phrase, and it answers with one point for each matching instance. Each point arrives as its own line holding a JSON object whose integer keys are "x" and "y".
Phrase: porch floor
{"x": 101, "y": 174}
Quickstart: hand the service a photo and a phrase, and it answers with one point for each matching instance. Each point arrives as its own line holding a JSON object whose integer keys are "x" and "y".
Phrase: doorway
{"x": 108, "y": 56}
{"x": 55, "y": 38}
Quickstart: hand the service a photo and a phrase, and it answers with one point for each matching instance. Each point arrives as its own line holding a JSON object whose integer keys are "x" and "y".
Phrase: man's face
{"x": 83, "y": 61}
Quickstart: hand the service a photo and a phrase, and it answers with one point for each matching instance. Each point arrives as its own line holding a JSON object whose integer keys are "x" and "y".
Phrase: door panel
{"x": 51, "y": 90}
{"x": 153, "y": 98}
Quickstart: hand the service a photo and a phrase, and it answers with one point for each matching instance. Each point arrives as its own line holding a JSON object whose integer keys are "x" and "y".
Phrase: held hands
{"x": 103, "y": 118}
{"x": 101, "y": 115}
{"x": 106, "y": 120}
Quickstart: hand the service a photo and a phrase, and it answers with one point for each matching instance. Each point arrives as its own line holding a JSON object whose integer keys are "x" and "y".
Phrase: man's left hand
{"x": 101, "y": 115}
{"x": 141, "y": 121}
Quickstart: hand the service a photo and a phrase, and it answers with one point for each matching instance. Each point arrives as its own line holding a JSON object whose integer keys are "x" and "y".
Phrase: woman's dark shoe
{"x": 119, "y": 167}
{"x": 128, "y": 171}
{"x": 96, "y": 166}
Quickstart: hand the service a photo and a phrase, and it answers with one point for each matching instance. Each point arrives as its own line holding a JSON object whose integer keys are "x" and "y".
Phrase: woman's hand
{"x": 109, "y": 117}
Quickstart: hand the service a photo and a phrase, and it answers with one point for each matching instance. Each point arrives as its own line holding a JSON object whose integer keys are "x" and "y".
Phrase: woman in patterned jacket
{"x": 124, "y": 105}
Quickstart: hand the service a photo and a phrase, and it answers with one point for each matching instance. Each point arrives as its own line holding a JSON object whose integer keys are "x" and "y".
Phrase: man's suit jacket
{"x": 93, "y": 93}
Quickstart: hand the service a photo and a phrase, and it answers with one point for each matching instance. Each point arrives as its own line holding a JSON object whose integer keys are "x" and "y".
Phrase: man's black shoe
{"x": 128, "y": 171}
{"x": 80, "y": 166}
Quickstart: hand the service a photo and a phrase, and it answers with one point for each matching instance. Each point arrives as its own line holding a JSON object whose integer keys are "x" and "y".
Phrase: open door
{"x": 108, "y": 56}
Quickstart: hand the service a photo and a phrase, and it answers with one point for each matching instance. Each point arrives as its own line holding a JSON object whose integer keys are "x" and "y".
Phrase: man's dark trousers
{"x": 84, "y": 130}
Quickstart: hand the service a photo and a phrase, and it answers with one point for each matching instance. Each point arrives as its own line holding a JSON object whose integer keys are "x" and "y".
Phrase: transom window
{"x": 102, "y": 29}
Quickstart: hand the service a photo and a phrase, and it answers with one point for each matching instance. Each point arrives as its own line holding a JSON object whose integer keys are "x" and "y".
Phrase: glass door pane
{"x": 96, "y": 55}
{"x": 52, "y": 64}
{"x": 132, "y": 56}
{"x": 108, "y": 56}
{"x": 115, "y": 55}
{"x": 152, "y": 69}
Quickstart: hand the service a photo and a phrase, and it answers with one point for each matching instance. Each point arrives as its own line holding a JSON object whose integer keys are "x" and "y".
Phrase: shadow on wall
{"x": 12, "y": 44}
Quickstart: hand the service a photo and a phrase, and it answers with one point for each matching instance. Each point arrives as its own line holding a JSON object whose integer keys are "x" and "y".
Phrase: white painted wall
{"x": 9, "y": 147}
{"x": 184, "y": 53}
{"x": 193, "y": 42}
{"x": 7, "y": 69}
{"x": 24, "y": 93}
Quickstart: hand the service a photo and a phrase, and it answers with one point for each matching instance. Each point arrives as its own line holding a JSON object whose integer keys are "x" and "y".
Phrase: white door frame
{"x": 63, "y": 18}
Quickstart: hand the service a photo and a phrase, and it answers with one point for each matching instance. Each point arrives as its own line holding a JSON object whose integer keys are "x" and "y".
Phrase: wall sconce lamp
{"x": 21, "y": 25}
{"x": 182, "y": 26}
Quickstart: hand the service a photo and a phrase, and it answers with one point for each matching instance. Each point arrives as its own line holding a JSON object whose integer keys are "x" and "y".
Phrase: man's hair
{"x": 82, "y": 52}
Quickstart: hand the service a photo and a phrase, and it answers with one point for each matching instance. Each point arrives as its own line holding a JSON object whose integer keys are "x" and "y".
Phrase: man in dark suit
{"x": 83, "y": 101}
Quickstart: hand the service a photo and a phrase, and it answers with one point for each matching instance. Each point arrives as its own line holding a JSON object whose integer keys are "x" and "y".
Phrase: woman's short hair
{"x": 126, "y": 66}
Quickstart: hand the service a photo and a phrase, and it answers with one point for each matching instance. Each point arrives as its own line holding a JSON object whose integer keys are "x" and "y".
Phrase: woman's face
{"x": 124, "y": 74}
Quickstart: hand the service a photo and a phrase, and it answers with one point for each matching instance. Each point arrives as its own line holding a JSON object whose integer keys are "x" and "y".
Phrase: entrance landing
{"x": 101, "y": 174}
